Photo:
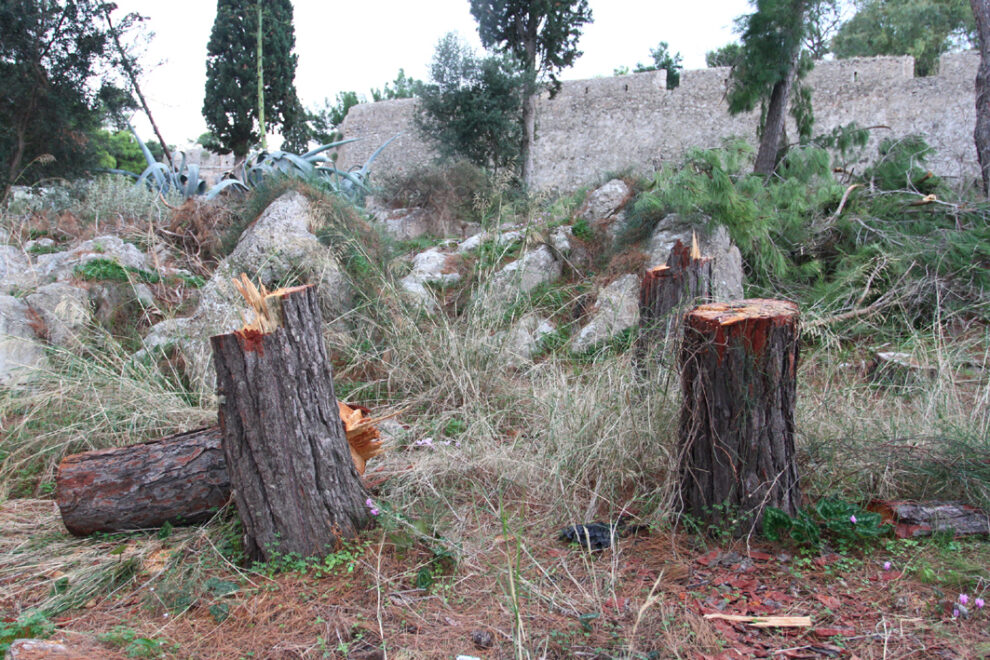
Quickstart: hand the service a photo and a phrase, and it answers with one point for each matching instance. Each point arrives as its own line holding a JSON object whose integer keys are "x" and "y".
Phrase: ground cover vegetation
{"x": 488, "y": 459}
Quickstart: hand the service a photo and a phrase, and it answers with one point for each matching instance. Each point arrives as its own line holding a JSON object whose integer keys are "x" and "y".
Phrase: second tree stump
{"x": 738, "y": 374}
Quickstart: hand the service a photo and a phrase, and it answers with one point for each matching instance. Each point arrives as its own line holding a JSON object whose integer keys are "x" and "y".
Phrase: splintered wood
{"x": 264, "y": 304}
{"x": 362, "y": 434}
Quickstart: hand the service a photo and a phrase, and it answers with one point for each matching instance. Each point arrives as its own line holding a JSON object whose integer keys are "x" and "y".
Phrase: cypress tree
{"x": 231, "y": 106}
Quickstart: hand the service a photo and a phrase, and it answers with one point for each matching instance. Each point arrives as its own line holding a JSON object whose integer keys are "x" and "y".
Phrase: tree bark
{"x": 913, "y": 519}
{"x": 125, "y": 61}
{"x": 182, "y": 478}
{"x": 683, "y": 280}
{"x": 738, "y": 375}
{"x": 773, "y": 128}
{"x": 981, "y": 134}
{"x": 295, "y": 485}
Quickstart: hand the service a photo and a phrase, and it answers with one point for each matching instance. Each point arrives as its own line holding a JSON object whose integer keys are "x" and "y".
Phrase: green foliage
{"x": 922, "y": 28}
{"x": 230, "y": 104}
{"x": 540, "y": 35}
{"x": 727, "y": 55}
{"x": 31, "y": 625}
{"x": 471, "y": 107}
{"x": 109, "y": 270}
{"x": 833, "y": 519}
{"x": 663, "y": 59}
{"x": 51, "y": 54}
{"x": 120, "y": 150}
{"x": 134, "y": 645}
{"x": 403, "y": 87}
{"x": 795, "y": 246}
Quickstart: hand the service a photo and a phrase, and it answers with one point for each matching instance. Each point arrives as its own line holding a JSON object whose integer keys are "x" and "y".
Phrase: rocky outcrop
{"x": 615, "y": 310}
{"x": 19, "y": 346}
{"x": 520, "y": 342}
{"x": 535, "y": 267}
{"x": 278, "y": 249}
{"x": 64, "y": 311}
{"x": 430, "y": 268}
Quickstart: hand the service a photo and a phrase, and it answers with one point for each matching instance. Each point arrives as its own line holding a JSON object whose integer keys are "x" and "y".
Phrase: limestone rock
{"x": 15, "y": 270}
{"x": 407, "y": 224}
{"x": 560, "y": 239}
{"x": 430, "y": 267}
{"x": 47, "y": 649}
{"x": 19, "y": 345}
{"x": 521, "y": 341}
{"x": 617, "y": 309}
{"x": 605, "y": 201}
{"x": 534, "y": 268}
{"x": 277, "y": 249}
{"x": 60, "y": 266}
{"x": 65, "y": 311}
{"x": 727, "y": 270}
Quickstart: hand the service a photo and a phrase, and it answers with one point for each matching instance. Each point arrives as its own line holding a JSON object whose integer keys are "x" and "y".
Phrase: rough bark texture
{"x": 179, "y": 479}
{"x": 773, "y": 129}
{"x": 665, "y": 289}
{"x": 912, "y": 519}
{"x": 738, "y": 366}
{"x": 295, "y": 485}
{"x": 981, "y": 134}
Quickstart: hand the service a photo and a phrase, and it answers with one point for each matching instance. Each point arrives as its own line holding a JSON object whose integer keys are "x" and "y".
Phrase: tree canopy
{"x": 542, "y": 36}
{"x": 471, "y": 105}
{"x": 924, "y": 29}
{"x": 230, "y": 106}
{"x": 53, "y": 54}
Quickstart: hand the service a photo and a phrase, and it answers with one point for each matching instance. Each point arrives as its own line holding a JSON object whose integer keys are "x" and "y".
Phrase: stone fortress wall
{"x": 632, "y": 121}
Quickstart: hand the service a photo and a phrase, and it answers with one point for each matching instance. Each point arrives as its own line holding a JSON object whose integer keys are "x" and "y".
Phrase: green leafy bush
{"x": 830, "y": 518}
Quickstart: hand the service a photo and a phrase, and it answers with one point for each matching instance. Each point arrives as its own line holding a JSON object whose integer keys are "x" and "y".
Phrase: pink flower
{"x": 979, "y": 603}
{"x": 886, "y": 566}
{"x": 963, "y": 599}
{"x": 955, "y": 613}
{"x": 852, "y": 519}
{"x": 373, "y": 510}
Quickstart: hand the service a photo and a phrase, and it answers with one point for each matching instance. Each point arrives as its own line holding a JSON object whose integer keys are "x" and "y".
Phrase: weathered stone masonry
{"x": 609, "y": 124}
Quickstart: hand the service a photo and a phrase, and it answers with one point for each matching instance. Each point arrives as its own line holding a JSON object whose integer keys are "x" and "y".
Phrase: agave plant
{"x": 249, "y": 174}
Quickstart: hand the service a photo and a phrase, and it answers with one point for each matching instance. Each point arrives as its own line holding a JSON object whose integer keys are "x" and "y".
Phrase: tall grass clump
{"x": 72, "y": 403}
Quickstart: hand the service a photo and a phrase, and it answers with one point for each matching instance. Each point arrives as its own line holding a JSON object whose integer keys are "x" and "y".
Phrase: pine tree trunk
{"x": 981, "y": 134}
{"x": 684, "y": 280}
{"x": 295, "y": 485}
{"x": 738, "y": 374}
{"x": 179, "y": 479}
{"x": 529, "y": 134}
{"x": 773, "y": 128}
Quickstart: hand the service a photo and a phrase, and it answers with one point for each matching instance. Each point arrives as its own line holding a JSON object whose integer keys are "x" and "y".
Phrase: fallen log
{"x": 178, "y": 479}
{"x": 913, "y": 519}
{"x": 181, "y": 479}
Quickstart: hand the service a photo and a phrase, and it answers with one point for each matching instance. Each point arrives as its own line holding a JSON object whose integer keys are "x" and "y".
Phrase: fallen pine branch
{"x": 766, "y": 621}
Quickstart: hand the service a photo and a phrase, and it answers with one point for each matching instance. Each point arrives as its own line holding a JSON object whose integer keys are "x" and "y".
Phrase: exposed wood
{"x": 766, "y": 621}
{"x": 296, "y": 487}
{"x": 738, "y": 375}
{"x": 179, "y": 479}
{"x": 912, "y": 519}
{"x": 685, "y": 280}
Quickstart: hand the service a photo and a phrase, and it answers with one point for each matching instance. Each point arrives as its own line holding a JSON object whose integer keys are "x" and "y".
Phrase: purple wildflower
{"x": 852, "y": 519}
{"x": 886, "y": 566}
{"x": 963, "y": 598}
{"x": 979, "y": 603}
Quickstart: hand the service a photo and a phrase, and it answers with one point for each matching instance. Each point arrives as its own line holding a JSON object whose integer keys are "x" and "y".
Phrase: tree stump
{"x": 295, "y": 485}
{"x": 738, "y": 375}
{"x": 179, "y": 479}
{"x": 686, "y": 278}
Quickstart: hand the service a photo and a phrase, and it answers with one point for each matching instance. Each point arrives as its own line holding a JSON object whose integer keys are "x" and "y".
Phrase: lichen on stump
{"x": 296, "y": 487}
{"x": 738, "y": 375}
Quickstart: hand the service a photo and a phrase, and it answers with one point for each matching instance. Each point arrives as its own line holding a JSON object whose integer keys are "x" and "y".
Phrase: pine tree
{"x": 231, "y": 106}
{"x": 767, "y": 67}
{"x": 542, "y": 35}
{"x": 981, "y": 134}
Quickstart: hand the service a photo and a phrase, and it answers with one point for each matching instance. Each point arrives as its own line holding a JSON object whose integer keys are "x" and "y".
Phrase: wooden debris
{"x": 913, "y": 519}
{"x": 766, "y": 621}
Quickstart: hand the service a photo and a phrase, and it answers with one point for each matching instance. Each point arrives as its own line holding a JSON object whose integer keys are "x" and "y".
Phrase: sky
{"x": 358, "y": 45}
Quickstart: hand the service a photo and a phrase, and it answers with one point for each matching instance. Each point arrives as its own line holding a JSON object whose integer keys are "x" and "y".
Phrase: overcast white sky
{"x": 359, "y": 45}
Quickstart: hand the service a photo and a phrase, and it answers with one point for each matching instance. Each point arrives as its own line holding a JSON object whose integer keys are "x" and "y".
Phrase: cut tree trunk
{"x": 296, "y": 488}
{"x": 179, "y": 479}
{"x": 685, "y": 280}
{"x": 738, "y": 374}
{"x": 912, "y": 519}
